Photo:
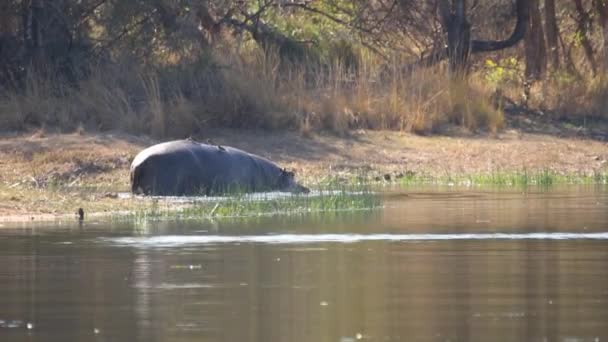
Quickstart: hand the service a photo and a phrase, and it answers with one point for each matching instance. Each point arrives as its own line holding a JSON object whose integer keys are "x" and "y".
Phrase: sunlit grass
{"x": 544, "y": 177}
{"x": 522, "y": 178}
{"x": 246, "y": 205}
{"x": 333, "y": 193}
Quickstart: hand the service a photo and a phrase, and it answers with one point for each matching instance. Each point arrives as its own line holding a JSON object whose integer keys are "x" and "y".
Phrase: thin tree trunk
{"x": 33, "y": 12}
{"x": 458, "y": 29}
{"x": 551, "y": 30}
{"x": 536, "y": 54}
{"x": 583, "y": 22}
{"x": 602, "y": 9}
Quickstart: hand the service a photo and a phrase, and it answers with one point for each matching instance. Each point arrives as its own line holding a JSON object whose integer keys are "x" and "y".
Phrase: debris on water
{"x": 169, "y": 286}
{"x": 278, "y": 259}
{"x": 14, "y": 324}
{"x": 358, "y": 336}
{"x": 500, "y": 315}
{"x": 95, "y": 331}
{"x": 324, "y": 303}
{"x": 29, "y": 326}
{"x": 187, "y": 267}
{"x": 243, "y": 284}
{"x": 11, "y": 324}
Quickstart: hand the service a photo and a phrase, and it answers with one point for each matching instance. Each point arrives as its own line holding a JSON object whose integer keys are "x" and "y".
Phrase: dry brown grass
{"x": 577, "y": 98}
{"x": 253, "y": 90}
{"x": 258, "y": 90}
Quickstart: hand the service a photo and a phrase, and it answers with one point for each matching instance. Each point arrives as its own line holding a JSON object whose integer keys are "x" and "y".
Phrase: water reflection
{"x": 443, "y": 267}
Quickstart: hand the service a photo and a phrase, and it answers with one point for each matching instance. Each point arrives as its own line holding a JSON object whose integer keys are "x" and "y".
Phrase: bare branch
{"x": 523, "y": 14}
{"x": 87, "y": 13}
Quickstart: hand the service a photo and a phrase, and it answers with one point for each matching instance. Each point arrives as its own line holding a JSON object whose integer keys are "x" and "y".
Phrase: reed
{"x": 243, "y": 206}
{"x": 522, "y": 178}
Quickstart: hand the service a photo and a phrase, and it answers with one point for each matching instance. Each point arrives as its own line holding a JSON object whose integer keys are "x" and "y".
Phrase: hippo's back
{"x": 176, "y": 148}
{"x": 188, "y": 167}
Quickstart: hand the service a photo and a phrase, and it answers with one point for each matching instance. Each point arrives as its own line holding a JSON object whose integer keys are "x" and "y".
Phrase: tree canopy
{"x": 67, "y": 40}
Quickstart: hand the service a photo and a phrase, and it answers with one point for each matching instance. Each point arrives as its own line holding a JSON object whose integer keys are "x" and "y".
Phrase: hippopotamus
{"x": 187, "y": 167}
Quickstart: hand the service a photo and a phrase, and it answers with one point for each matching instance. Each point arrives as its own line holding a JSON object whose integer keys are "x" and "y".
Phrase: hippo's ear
{"x": 286, "y": 173}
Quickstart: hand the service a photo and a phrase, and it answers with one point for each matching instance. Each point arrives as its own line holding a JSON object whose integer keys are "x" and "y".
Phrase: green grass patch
{"x": 522, "y": 178}
{"x": 243, "y": 205}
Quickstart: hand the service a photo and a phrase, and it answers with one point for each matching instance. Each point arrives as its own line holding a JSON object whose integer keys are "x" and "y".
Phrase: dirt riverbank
{"x": 45, "y": 176}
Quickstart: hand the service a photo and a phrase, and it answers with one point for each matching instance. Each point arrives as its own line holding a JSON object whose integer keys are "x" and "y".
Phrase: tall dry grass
{"x": 573, "y": 98}
{"x": 258, "y": 90}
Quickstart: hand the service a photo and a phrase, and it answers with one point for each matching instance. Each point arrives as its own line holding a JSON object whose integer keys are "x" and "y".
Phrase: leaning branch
{"x": 518, "y": 34}
{"x": 124, "y": 32}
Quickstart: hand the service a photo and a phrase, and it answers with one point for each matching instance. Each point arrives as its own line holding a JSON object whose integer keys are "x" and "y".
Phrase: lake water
{"x": 434, "y": 264}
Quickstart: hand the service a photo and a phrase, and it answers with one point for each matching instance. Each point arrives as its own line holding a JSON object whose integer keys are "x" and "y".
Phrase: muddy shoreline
{"x": 48, "y": 176}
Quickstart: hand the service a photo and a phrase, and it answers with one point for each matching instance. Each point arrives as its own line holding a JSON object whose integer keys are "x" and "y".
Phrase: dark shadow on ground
{"x": 283, "y": 146}
{"x": 537, "y": 121}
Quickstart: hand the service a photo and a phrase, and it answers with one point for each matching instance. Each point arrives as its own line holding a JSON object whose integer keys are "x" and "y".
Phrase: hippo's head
{"x": 288, "y": 182}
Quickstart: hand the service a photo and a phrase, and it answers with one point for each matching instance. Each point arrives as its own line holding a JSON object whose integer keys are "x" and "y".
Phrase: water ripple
{"x": 189, "y": 240}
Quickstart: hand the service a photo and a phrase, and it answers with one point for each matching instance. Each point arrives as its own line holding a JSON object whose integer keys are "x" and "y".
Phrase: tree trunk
{"x": 551, "y": 30}
{"x": 536, "y": 54}
{"x": 602, "y": 9}
{"x": 583, "y": 23}
{"x": 458, "y": 30}
{"x": 32, "y": 21}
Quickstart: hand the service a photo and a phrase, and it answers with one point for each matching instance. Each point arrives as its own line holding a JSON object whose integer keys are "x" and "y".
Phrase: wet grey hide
{"x": 187, "y": 167}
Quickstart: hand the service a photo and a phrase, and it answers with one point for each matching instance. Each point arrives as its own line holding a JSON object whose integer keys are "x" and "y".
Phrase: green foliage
{"x": 505, "y": 71}
{"x": 326, "y": 38}
{"x": 564, "y": 78}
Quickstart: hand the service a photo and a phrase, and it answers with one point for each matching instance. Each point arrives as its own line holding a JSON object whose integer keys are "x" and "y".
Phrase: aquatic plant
{"x": 254, "y": 205}
{"x": 523, "y": 178}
